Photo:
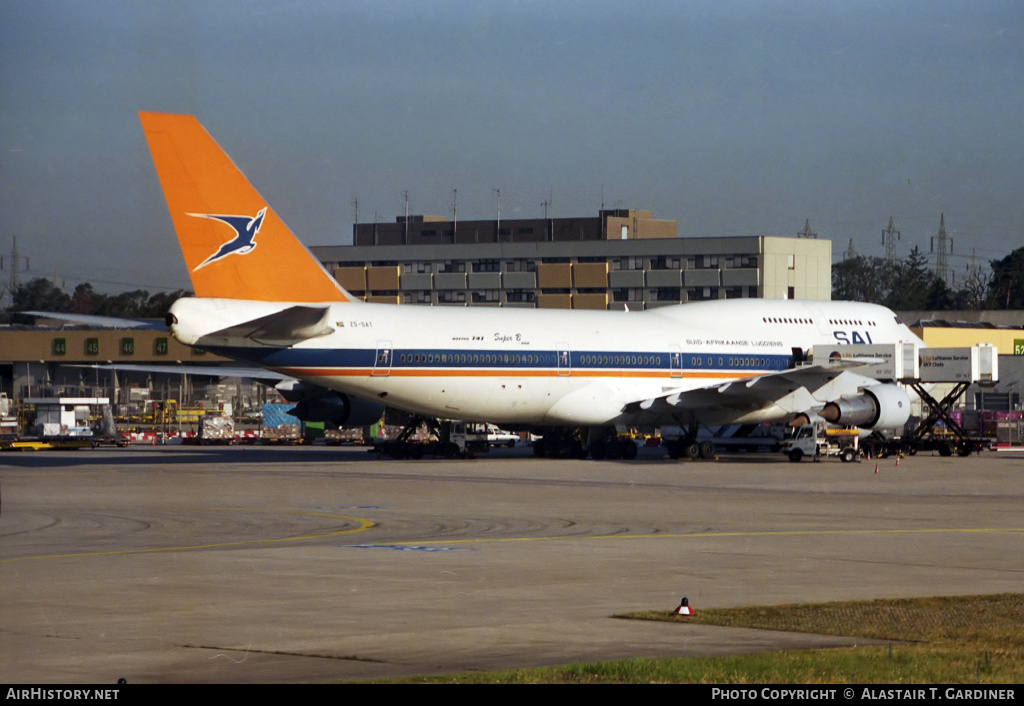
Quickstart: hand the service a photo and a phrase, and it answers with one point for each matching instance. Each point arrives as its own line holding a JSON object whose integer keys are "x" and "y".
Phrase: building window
{"x": 791, "y": 293}
{"x": 629, "y": 294}
{"x": 486, "y": 295}
{"x": 665, "y": 262}
{"x": 520, "y": 266}
{"x": 487, "y": 266}
{"x": 697, "y": 294}
{"x": 740, "y": 261}
{"x": 420, "y": 267}
{"x": 628, "y": 263}
{"x": 453, "y": 266}
{"x": 667, "y": 294}
{"x": 524, "y": 296}
{"x": 702, "y": 262}
{"x": 791, "y": 261}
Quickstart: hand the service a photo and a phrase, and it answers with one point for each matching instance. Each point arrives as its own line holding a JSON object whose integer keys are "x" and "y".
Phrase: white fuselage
{"x": 537, "y": 366}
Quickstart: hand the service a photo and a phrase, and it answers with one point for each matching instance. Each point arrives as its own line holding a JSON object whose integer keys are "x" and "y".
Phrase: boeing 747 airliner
{"x": 263, "y": 298}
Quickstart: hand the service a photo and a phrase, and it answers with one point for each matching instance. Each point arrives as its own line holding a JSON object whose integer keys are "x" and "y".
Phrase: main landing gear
{"x": 559, "y": 443}
{"x": 600, "y": 444}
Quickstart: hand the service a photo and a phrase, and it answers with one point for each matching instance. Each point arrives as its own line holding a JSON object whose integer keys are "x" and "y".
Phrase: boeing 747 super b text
{"x": 262, "y": 298}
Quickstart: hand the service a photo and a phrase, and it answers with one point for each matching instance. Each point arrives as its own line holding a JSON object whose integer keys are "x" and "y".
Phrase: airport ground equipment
{"x": 421, "y": 436}
{"x": 216, "y": 429}
{"x": 63, "y": 423}
{"x": 8, "y": 417}
{"x": 923, "y": 370}
{"x": 751, "y": 437}
{"x": 497, "y": 436}
{"x": 962, "y": 367}
{"x": 819, "y": 439}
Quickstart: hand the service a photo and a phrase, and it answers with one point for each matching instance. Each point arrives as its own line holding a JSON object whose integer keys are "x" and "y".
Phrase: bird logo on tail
{"x": 245, "y": 228}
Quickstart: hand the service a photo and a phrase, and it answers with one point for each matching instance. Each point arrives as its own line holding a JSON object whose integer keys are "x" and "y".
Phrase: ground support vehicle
{"x": 500, "y": 437}
{"x": 441, "y": 439}
{"x": 939, "y": 431}
{"x": 818, "y": 439}
{"x": 750, "y": 437}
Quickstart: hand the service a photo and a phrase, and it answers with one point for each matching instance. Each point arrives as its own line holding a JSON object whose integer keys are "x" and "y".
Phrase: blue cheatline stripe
{"x": 454, "y": 358}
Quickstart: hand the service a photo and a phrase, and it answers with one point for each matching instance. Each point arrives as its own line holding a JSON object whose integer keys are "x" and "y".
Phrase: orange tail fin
{"x": 235, "y": 246}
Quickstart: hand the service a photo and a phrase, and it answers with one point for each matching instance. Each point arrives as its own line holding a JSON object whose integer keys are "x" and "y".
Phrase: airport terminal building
{"x": 619, "y": 259}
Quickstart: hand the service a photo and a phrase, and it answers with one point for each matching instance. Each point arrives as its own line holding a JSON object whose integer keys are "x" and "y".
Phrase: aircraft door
{"x": 675, "y": 362}
{"x": 382, "y": 360}
{"x": 564, "y": 359}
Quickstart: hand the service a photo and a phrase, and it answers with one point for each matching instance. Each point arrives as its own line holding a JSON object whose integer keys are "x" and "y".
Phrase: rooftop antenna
{"x": 850, "y": 251}
{"x": 806, "y": 232}
{"x": 455, "y": 214}
{"x": 889, "y": 237}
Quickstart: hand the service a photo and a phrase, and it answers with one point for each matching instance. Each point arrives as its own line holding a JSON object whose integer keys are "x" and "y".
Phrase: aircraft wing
{"x": 791, "y": 390}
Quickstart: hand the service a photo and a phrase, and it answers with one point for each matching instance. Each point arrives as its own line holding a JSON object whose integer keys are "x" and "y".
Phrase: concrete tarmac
{"x": 252, "y": 564}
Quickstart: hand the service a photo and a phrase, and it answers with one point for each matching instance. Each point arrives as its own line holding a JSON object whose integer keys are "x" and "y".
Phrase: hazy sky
{"x": 734, "y": 118}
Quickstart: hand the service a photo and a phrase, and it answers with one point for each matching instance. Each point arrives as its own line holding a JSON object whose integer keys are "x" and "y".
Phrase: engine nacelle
{"x": 317, "y": 404}
{"x": 879, "y": 407}
{"x": 338, "y": 409}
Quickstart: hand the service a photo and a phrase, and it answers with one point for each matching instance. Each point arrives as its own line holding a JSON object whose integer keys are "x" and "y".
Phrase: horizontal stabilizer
{"x": 281, "y": 329}
{"x": 219, "y": 371}
{"x": 96, "y": 321}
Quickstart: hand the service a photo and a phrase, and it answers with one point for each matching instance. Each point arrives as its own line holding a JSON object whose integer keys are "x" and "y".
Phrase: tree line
{"x": 909, "y": 284}
{"x": 43, "y": 295}
{"x": 902, "y": 285}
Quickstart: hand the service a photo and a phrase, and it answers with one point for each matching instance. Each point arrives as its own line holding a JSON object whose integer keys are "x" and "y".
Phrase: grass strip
{"x": 941, "y": 640}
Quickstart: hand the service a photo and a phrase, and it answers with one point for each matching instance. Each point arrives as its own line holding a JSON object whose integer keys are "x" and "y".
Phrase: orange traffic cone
{"x": 876, "y": 469}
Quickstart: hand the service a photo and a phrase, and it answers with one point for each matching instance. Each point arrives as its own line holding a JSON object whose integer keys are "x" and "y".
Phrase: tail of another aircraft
{"x": 234, "y": 244}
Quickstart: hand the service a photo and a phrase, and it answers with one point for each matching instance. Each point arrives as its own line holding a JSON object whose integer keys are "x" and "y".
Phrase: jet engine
{"x": 879, "y": 407}
{"x": 317, "y": 404}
